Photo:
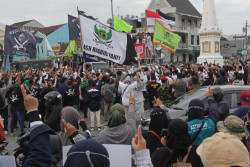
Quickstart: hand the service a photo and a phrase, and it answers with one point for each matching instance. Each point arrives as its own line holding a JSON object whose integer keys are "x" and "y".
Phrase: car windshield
{"x": 182, "y": 102}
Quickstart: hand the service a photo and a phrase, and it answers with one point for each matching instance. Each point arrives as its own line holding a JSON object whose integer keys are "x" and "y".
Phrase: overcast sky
{"x": 231, "y": 14}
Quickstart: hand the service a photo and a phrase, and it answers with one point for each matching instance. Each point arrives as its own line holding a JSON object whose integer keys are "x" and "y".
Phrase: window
{"x": 228, "y": 98}
{"x": 41, "y": 49}
{"x": 238, "y": 98}
{"x": 196, "y": 23}
{"x": 192, "y": 39}
{"x": 189, "y": 22}
{"x": 198, "y": 40}
{"x": 183, "y": 39}
{"x": 183, "y": 21}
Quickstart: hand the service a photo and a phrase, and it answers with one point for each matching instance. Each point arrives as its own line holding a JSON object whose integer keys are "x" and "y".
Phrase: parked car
{"x": 179, "y": 107}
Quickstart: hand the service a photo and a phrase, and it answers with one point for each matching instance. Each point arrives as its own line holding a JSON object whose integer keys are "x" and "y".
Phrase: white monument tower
{"x": 210, "y": 35}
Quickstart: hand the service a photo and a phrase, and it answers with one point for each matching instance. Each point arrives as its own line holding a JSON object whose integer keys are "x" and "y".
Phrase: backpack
{"x": 108, "y": 97}
{"x": 94, "y": 102}
{"x": 2, "y": 102}
{"x": 183, "y": 163}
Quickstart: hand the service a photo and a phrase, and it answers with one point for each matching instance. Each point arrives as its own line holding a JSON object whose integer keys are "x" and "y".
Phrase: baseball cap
{"x": 232, "y": 125}
{"x": 245, "y": 98}
{"x": 223, "y": 150}
{"x": 164, "y": 78}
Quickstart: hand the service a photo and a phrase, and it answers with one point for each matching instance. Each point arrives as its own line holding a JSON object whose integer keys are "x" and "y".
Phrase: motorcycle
{"x": 22, "y": 152}
{"x": 3, "y": 151}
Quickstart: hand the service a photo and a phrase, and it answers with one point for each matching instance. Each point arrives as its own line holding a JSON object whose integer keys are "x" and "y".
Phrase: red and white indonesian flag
{"x": 152, "y": 16}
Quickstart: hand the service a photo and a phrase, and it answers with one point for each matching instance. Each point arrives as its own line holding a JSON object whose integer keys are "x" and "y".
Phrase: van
{"x": 97, "y": 65}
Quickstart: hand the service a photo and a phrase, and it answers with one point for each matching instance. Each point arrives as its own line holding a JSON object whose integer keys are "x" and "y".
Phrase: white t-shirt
{"x": 125, "y": 91}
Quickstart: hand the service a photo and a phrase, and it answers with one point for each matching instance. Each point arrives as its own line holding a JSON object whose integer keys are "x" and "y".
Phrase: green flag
{"x": 121, "y": 25}
{"x": 71, "y": 49}
{"x": 53, "y": 57}
{"x": 165, "y": 37}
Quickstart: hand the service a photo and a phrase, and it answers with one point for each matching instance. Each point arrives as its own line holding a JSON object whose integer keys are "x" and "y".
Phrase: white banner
{"x": 101, "y": 41}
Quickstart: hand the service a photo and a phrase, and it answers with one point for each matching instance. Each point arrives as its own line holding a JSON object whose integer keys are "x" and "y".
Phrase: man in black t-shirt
{"x": 16, "y": 108}
{"x": 71, "y": 96}
{"x": 152, "y": 90}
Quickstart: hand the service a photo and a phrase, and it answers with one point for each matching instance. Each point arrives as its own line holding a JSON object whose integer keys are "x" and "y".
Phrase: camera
{"x": 164, "y": 132}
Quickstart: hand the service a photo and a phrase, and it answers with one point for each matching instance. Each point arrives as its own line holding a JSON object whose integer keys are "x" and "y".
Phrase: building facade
{"x": 2, "y": 34}
{"x": 187, "y": 23}
{"x": 30, "y": 25}
{"x": 42, "y": 48}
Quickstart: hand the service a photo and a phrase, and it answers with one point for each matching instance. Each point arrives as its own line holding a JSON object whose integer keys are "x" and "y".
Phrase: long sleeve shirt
{"x": 142, "y": 158}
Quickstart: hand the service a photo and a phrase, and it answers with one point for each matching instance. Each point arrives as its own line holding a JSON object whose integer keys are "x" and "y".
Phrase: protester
{"x": 4, "y": 88}
{"x": 161, "y": 143}
{"x": 40, "y": 152}
{"x": 108, "y": 91}
{"x": 53, "y": 101}
{"x": 2, "y": 135}
{"x": 152, "y": 90}
{"x": 179, "y": 86}
{"x": 158, "y": 121}
{"x": 71, "y": 97}
{"x": 233, "y": 125}
{"x": 130, "y": 85}
{"x": 241, "y": 112}
{"x": 71, "y": 116}
{"x": 245, "y": 98}
{"x": 223, "y": 108}
{"x": 222, "y": 80}
{"x": 223, "y": 150}
{"x": 165, "y": 91}
{"x": 199, "y": 127}
{"x": 87, "y": 153}
{"x": 16, "y": 108}
{"x": 119, "y": 130}
{"x": 93, "y": 99}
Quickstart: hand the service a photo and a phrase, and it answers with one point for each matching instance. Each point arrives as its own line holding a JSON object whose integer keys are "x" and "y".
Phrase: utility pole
{"x": 246, "y": 34}
{"x": 118, "y": 11}
{"x": 112, "y": 14}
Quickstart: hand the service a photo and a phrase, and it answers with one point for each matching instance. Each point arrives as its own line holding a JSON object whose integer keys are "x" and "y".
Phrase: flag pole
{"x": 112, "y": 14}
{"x": 84, "y": 57}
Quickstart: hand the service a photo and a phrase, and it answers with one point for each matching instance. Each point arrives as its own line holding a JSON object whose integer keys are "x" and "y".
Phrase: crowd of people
{"x": 209, "y": 137}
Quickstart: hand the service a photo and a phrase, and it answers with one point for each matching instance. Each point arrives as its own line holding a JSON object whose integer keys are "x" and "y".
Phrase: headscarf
{"x": 195, "y": 109}
{"x": 70, "y": 115}
{"x": 117, "y": 116}
{"x": 178, "y": 139}
{"x": 87, "y": 153}
{"x": 158, "y": 120}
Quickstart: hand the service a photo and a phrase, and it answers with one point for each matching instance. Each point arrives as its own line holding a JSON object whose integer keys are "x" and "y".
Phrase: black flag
{"x": 165, "y": 16}
{"x": 131, "y": 52}
{"x": 74, "y": 28}
{"x": 20, "y": 42}
{"x": 80, "y": 12}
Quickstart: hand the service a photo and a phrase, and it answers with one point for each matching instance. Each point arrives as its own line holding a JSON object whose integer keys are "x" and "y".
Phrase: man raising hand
{"x": 40, "y": 151}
